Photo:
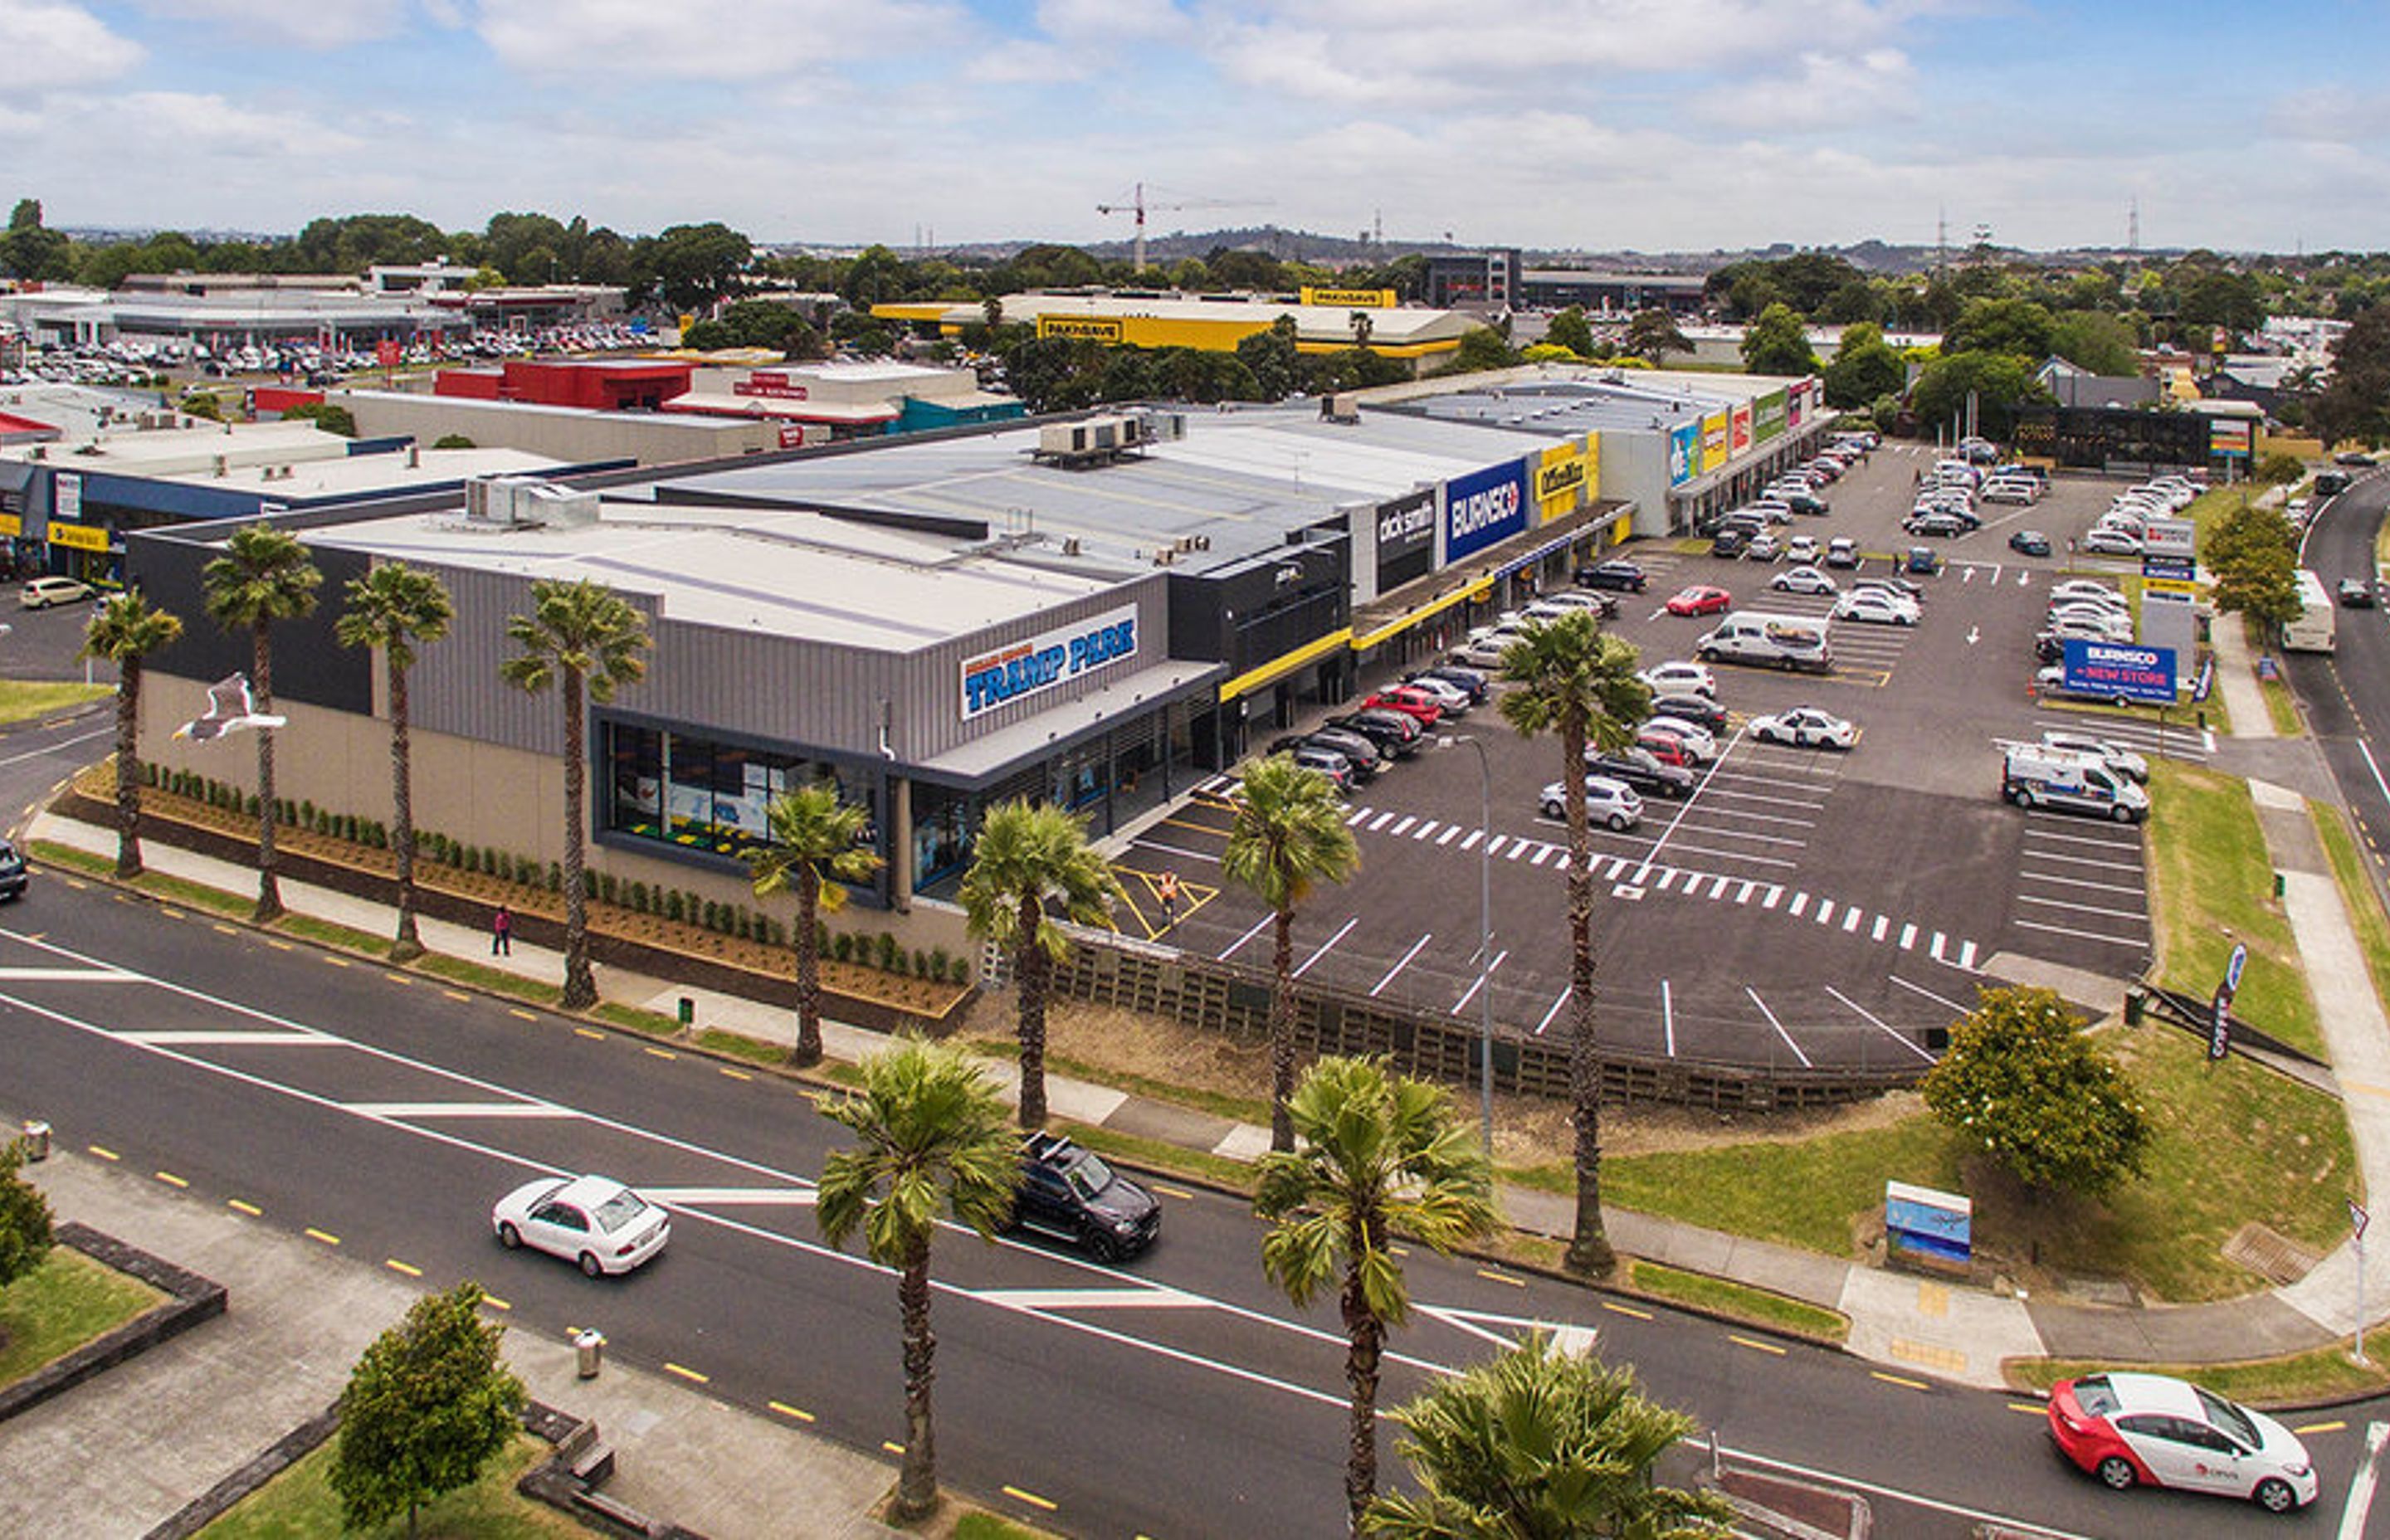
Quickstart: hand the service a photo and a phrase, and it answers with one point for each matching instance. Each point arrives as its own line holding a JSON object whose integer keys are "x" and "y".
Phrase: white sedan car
{"x": 1700, "y": 743}
{"x": 1875, "y": 606}
{"x": 1805, "y": 727}
{"x": 1803, "y": 580}
{"x": 1606, "y": 801}
{"x": 1680, "y": 678}
{"x": 594, "y": 1221}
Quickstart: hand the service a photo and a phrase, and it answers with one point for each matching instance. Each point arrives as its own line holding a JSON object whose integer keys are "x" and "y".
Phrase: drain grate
{"x": 2276, "y": 1258}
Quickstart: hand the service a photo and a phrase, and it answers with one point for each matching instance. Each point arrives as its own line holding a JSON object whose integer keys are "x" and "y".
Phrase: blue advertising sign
{"x": 1483, "y": 508}
{"x": 1684, "y": 453}
{"x": 2115, "y": 669}
{"x": 1927, "y": 1225}
{"x": 2177, "y": 568}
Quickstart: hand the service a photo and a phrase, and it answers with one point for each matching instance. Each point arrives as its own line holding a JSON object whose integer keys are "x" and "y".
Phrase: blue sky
{"x": 1653, "y": 124}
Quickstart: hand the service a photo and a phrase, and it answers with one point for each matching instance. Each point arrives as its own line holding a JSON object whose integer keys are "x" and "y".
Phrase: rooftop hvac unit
{"x": 508, "y": 502}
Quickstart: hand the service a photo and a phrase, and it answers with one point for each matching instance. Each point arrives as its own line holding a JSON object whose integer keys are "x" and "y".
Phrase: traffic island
{"x": 165, "y": 1301}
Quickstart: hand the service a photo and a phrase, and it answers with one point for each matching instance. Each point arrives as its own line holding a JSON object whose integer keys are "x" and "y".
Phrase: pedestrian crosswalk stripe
{"x": 1825, "y": 911}
{"x": 1851, "y": 919}
{"x": 1800, "y": 906}
{"x": 1883, "y": 923}
{"x": 1407, "y": 821}
{"x": 1907, "y": 937}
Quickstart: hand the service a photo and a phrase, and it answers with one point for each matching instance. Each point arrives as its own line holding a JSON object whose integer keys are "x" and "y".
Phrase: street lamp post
{"x": 1484, "y": 936}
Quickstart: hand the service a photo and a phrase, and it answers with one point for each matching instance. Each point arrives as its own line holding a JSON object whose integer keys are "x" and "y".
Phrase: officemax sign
{"x": 1024, "y": 668}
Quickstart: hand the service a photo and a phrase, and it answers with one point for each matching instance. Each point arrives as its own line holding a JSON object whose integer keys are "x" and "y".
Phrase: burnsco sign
{"x": 1038, "y": 663}
{"x": 1564, "y": 479}
{"x": 2121, "y": 672}
{"x": 1351, "y": 299}
{"x": 1096, "y": 328}
{"x": 1483, "y": 508}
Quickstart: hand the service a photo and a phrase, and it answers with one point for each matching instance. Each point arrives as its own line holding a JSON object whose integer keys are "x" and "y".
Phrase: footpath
{"x": 302, "y": 1316}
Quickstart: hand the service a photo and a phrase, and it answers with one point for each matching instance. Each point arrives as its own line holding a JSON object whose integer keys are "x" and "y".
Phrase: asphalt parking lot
{"x": 1801, "y": 907}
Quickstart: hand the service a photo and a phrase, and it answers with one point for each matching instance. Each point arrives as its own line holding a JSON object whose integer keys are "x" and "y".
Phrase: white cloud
{"x": 1076, "y": 22}
{"x": 756, "y": 41}
{"x": 1018, "y": 61}
{"x": 1829, "y": 91}
{"x": 51, "y": 47}
{"x": 303, "y": 23}
{"x": 2329, "y": 114}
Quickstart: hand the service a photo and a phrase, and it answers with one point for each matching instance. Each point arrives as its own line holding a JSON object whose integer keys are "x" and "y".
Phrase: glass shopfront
{"x": 705, "y": 796}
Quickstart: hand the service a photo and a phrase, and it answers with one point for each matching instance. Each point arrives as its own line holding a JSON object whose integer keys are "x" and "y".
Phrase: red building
{"x": 597, "y": 385}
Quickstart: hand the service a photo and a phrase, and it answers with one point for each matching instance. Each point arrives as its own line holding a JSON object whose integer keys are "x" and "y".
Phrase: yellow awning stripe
{"x": 1285, "y": 663}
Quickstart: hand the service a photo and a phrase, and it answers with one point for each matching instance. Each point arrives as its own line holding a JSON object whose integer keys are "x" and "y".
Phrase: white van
{"x": 1786, "y": 641}
{"x": 2042, "y": 777}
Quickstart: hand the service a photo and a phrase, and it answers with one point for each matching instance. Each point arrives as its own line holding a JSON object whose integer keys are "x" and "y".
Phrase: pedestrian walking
{"x": 1167, "y": 891}
{"x": 501, "y": 932}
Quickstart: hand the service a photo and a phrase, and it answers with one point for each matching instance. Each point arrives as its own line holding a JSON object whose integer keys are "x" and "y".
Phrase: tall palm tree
{"x": 1541, "y": 1445}
{"x": 391, "y": 608}
{"x": 932, "y": 1144}
{"x": 1579, "y": 682}
{"x": 588, "y": 641}
{"x": 1379, "y": 1152}
{"x": 814, "y": 853}
{"x": 262, "y": 577}
{"x": 1289, "y": 832}
{"x": 124, "y": 631}
{"x": 1028, "y": 858}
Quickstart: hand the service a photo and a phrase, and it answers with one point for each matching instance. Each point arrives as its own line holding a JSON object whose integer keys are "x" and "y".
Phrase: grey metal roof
{"x": 1623, "y": 399}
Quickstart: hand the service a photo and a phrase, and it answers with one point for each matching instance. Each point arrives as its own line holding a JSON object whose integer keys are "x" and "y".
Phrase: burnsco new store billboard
{"x": 1684, "y": 453}
{"x": 1769, "y": 416}
{"x": 1405, "y": 538}
{"x": 1483, "y": 508}
{"x": 1563, "y": 480}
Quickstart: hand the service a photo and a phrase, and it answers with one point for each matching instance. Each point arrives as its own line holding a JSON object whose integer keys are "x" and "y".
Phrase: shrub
{"x": 939, "y": 963}
{"x": 842, "y": 947}
{"x": 673, "y": 909}
{"x": 639, "y": 897}
{"x": 452, "y": 441}
{"x": 555, "y": 877}
{"x": 889, "y": 952}
{"x": 920, "y": 963}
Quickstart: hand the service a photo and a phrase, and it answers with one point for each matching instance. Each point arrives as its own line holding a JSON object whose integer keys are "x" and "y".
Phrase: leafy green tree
{"x": 1864, "y": 367}
{"x": 1859, "y": 299}
{"x": 2276, "y": 468}
{"x": 452, "y": 441}
{"x": 1378, "y": 1152}
{"x": 1778, "y": 343}
{"x": 354, "y": 242}
{"x": 1030, "y": 858}
{"x": 931, "y": 1144}
{"x": 1541, "y": 1445}
{"x": 331, "y": 417}
{"x": 124, "y": 631}
{"x": 767, "y": 323}
{"x": 2355, "y": 403}
{"x": 1999, "y": 382}
{"x": 1482, "y": 348}
{"x": 2215, "y": 297}
{"x": 1286, "y": 835}
{"x": 263, "y": 576}
{"x": 2023, "y": 1082}
{"x": 2253, "y": 553}
{"x": 31, "y": 251}
{"x": 24, "y": 1218}
{"x": 816, "y": 848}
{"x": 696, "y": 264}
{"x": 1273, "y": 358}
{"x": 1574, "y": 681}
{"x": 203, "y": 403}
{"x": 391, "y": 610}
{"x": 2094, "y": 341}
{"x": 1653, "y": 334}
{"x": 426, "y": 1408}
{"x": 588, "y": 641}
{"x": 1570, "y": 329}
{"x": 2017, "y": 326}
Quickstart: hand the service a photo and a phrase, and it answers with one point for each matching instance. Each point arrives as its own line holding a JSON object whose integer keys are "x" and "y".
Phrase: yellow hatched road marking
{"x": 1030, "y": 1497}
{"x": 689, "y": 1374}
{"x": 169, "y": 1178}
{"x": 326, "y": 1238}
{"x": 397, "y": 1266}
{"x": 249, "y": 1208}
{"x": 785, "y": 1410}
{"x": 1626, "y": 1310}
{"x": 1754, "y": 1342}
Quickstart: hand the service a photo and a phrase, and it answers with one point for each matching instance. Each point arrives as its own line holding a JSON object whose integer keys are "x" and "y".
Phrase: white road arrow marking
{"x": 1974, "y": 634}
{"x": 2360, "y": 1491}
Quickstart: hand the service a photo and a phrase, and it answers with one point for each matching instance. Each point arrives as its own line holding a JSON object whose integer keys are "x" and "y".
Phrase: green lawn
{"x": 2211, "y": 886}
{"x": 1739, "y": 1301}
{"x": 2364, "y": 909}
{"x": 2302, "y": 1379}
{"x": 1808, "y": 1194}
{"x": 67, "y": 1302}
{"x": 299, "y": 1505}
{"x": 24, "y": 700}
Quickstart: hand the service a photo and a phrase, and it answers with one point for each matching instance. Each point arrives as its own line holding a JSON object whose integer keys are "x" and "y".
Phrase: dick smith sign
{"x": 1040, "y": 662}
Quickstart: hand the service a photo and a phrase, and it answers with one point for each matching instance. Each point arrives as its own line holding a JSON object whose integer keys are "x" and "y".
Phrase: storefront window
{"x": 941, "y": 833}
{"x": 700, "y": 795}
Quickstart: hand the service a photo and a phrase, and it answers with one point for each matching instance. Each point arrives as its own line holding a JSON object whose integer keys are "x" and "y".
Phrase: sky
{"x": 1596, "y": 125}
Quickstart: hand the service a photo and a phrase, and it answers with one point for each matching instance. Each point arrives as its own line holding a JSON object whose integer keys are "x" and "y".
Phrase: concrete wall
{"x": 560, "y": 433}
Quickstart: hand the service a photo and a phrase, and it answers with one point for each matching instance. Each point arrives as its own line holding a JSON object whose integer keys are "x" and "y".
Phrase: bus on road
{"x": 2312, "y": 631}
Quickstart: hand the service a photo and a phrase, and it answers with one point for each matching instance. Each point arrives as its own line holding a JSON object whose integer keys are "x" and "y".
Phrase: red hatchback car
{"x": 1412, "y": 702}
{"x": 1700, "y": 599}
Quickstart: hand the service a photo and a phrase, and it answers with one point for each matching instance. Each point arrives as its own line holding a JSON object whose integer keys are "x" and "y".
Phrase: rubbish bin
{"x": 589, "y": 1353}
{"x": 2280, "y": 884}
{"x": 2137, "y": 1002}
{"x": 688, "y": 1013}
{"x": 37, "y": 1141}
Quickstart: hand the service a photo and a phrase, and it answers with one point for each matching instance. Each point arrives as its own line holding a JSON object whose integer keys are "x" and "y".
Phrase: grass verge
{"x": 1739, "y": 1302}
{"x": 1810, "y": 1194}
{"x": 2301, "y": 1380}
{"x": 68, "y": 1300}
{"x": 2280, "y": 710}
{"x": 987, "y": 1527}
{"x": 2211, "y": 886}
{"x": 28, "y": 700}
{"x": 299, "y": 1504}
{"x": 2356, "y": 893}
{"x": 1153, "y": 1155}
{"x": 495, "y": 980}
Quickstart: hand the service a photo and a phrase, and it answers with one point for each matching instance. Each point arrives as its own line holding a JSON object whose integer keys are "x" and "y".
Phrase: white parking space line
{"x": 2082, "y": 908}
{"x": 676, "y": 1198}
{"x": 2084, "y": 861}
{"x": 2139, "y": 944}
{"x": 1240, "y": 940}
{"x": 1745, "y": 856}
{"x": 458, "y": 1110}
{"x": 1344, "y": 930}
{"x": 1555, "y": 1010}
{"x": 1874, "y": 1020}
{"x": 1478, "y": 983}
{"x": 1779, "y": 1026}
{"x": 1402, "y": 962}
{"x": 1181, "y": 852}
{"x": 1668, "y": 1018}
{"x": 1724, "y": 833}
{"x": 1921, "y": 989}
{"x": 2133, "y": 888}
{"x": 1759, "y": 818}
{"x": 2104, "y": 843}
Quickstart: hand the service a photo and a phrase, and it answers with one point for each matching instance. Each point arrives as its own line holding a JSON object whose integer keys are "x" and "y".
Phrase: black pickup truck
{"x": 1070, "y": 1193}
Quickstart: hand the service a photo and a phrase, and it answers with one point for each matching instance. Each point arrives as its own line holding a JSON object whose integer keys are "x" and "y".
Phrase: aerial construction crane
{"x": 1137, "y": 206}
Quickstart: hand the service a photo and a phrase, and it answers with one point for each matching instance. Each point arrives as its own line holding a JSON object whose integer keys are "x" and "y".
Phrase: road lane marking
{"x": 1555, "y": 1010}
{"x": 397, "y": 1266}
{"x": 170, "y": 1179}
{"x": 686, "y": 1373}
{"x": 2030, "y": 1409}
{"x": 1615, "y": 1308}
{"x": 658, "y": 1053}
{"x": 1168, "y": 1191}
{"x": 1232, "y": 946}
{"x": 589, "y": 1031}
{"x": 387, "y": 1110}
{"x": 524, "y": 1014}
{"x": 68, "y": 975}
{"x": 677, "y": 1197}
{"x": 494, "y": 1303}
{"x": 1030, "y": 1497}
{"x": 298, "y": 1037}
{"x": 892, "y": 1446}
{"x": 1901, "y": 1380}
{"x": 456, "y": 995}
{"x": 1869, "y": 1016}
{"x": 336, "y": 961}
{"x": 2353, "y": 1512}
{"x": 1490, "y": 1276}
{"x": 1668, "y": 1018}
{"x": 1479, "y": 982}
{"x": 103, "y": 1152}
{"x": 326, "y": 1237}
{"x": 2039, "y": 1531}
{"x": 733, "y": 1075}
{"x": 249, "y": 1208}
{"x": 1955, "y": 1008}
{"x": 280, "y": 945}
{"x": 2306, "y": 1429}
{"x": 787, "y": 1411}
{"x": 1755, "y": 1344}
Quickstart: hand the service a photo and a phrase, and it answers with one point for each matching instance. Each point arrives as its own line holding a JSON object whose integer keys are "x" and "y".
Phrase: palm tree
{"x": 933, "y": 1143}
{"x": 587, "y": 640}
{"x": 1574, "y": 681}
{"x": 124, "y": 631}
{"x": 1540, "y": 1444}
{"x": 391, "y": 608}
{"x": 1031, "y": 856}
{"x": 1289, "y": 832}
{"x": 1379, "y": 1152}
{"x": 262, "y": 577}
{"x": 814, "y": 853}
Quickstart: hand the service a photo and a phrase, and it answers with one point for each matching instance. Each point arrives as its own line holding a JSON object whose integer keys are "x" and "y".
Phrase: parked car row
{"x": 1355, "y": 747}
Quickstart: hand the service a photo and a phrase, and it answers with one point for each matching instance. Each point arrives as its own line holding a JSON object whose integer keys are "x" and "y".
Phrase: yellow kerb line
{"x": 1030, "y": 1497}
{"x": 785, "y": 1410}
{"x": 1754, "y": 1342}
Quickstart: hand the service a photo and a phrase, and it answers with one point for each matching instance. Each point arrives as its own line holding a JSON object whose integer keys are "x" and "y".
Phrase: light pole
{"x": 1484, "y": 936}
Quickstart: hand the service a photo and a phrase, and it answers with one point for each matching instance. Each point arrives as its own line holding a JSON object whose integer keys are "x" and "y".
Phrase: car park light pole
{"x": 1485, "y": 935}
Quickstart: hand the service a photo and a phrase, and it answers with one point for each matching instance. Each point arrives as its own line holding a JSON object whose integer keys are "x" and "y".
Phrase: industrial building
{"x": 1325, "y": 320}
{"x": 1499, "y": 280}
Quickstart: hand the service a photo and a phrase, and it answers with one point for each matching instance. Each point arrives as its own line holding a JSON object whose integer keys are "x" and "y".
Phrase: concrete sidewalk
{"x": 126, "y": 1450}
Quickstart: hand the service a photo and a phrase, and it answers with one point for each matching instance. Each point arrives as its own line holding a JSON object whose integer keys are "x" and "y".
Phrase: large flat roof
{"x": 760, "y": 569}
{"x": 1565, "y": 401}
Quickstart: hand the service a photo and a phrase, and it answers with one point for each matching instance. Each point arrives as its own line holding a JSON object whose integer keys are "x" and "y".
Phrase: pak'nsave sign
{"x": 1024, "y": 668}
{"x": 1483, "y": 508}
